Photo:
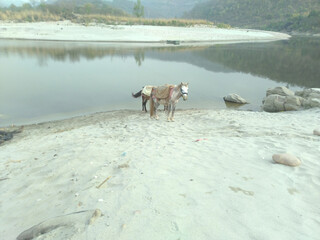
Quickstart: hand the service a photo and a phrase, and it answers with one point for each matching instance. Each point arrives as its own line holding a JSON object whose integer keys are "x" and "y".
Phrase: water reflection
{"x": 74, "y": 52}
{"x": 139, "y": 57}
{"x": 40, "y": 79}
{"x": 293, "y": 62}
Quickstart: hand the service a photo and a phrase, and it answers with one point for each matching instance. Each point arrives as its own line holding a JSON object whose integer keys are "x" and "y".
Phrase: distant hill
{"x": 86, "y": 12}
{"x": 283, "y": 15}
{"x": 168, "y": 8}
{"x": 159, "y": 8}
{"x": 152, "y": 8}
{"x": 88, "y": 6}
{"x": 66, "y": 8}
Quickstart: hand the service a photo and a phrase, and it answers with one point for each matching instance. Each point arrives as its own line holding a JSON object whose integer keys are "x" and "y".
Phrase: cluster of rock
{"x": 282, "y": 99}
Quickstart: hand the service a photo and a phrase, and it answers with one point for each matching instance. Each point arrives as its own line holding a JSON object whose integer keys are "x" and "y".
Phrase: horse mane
{"x": 178, "y": 86}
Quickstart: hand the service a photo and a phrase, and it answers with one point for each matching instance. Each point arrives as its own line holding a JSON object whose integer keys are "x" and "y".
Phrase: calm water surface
{"x": 42, "y": 81}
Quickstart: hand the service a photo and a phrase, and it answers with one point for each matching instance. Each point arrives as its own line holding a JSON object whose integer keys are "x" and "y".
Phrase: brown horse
{"x": 167, "y": 95}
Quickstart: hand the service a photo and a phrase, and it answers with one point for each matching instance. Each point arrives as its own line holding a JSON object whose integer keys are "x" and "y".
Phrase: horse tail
{"x": 151, "y": 105}
{"x": 138, "y": 94}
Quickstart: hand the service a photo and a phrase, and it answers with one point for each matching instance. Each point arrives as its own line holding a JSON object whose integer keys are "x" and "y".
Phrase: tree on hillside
{"x": 138, "y": 9}
{"x": 26, "y": 6}
{"x": 13, "y": 7}
{"x": 33, "y": 3}
{"x": 88, "y": 8}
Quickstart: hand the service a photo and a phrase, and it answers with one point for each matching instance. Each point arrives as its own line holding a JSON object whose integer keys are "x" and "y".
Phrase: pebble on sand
{"x": 286, "y": 159}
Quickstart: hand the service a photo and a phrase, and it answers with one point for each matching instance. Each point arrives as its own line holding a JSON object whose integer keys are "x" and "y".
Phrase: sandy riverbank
{"x": 67, "y": 31}
{"x": 209, "y": 175}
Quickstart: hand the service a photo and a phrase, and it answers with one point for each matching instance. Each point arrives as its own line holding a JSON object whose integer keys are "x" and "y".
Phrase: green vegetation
{"x": 300, "y": 23}
{"x": 280, "y": 15}
{"x": 86, "y": 12}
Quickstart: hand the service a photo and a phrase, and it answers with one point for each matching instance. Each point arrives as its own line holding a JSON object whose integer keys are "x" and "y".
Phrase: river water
{"x": 42, "y": 80}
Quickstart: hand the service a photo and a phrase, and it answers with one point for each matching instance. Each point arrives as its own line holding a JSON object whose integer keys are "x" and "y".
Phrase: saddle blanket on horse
{"x": 163, "y": 91}
{"x": 147, "y": 90}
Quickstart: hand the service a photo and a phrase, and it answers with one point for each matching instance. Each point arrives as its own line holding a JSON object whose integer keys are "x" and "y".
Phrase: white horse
{"x": 167, "y": 95}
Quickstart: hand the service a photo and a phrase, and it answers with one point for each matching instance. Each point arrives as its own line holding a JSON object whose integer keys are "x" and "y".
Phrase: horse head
{"x": 184, "y": 88}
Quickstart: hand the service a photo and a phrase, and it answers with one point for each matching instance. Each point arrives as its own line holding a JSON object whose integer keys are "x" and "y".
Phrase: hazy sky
{"x": 15, "y": 2}
{"x": 20, "y": 2}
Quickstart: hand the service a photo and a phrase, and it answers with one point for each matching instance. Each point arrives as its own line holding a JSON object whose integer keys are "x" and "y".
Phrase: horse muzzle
{"x": 185, "y": 97}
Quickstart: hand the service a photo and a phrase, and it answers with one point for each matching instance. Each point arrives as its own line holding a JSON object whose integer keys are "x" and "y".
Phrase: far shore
{"x": 68, "y": 31}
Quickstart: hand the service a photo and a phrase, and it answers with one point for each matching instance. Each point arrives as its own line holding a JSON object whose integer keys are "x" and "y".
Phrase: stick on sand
{"x": 104, "y": 182}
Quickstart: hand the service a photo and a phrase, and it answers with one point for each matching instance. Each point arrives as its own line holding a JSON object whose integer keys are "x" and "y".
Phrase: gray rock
{"x": 282, "y": 91}
{"x": 311, "y": 103}
{"x": 292, "y": 103}
{"x": 286, "y": 159}
{"x": 235, "y": 98}
{"x": 316, "y": 132}
{"x": 309, "y": 93}
{"x": 277, "y": 103}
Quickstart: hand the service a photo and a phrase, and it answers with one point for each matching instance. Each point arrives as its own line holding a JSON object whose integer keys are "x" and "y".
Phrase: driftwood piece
{"x": 104, "y": 182}
{"x": 83, "y": 218}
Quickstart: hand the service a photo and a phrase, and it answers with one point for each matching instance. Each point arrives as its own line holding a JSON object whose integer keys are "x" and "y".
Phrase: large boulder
{"x": 282, "y": 91}
{"x": 234, "y": 98}
{"x": 277, "y": 103}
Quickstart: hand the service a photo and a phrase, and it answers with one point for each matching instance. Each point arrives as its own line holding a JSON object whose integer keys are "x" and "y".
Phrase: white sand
{"x": 209, "y": 175}
{"x": 67, "y": 31}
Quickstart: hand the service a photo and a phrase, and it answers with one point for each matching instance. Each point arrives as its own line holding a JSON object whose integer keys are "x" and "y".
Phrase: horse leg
{"x": 151, "y": 106}
{"x": 145, "y": 99}
{"x": 172, "y": 111}
{"x": 169, "y": 111}
{"x": 143, "y": 104}
{"x": 156, "y": 105}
